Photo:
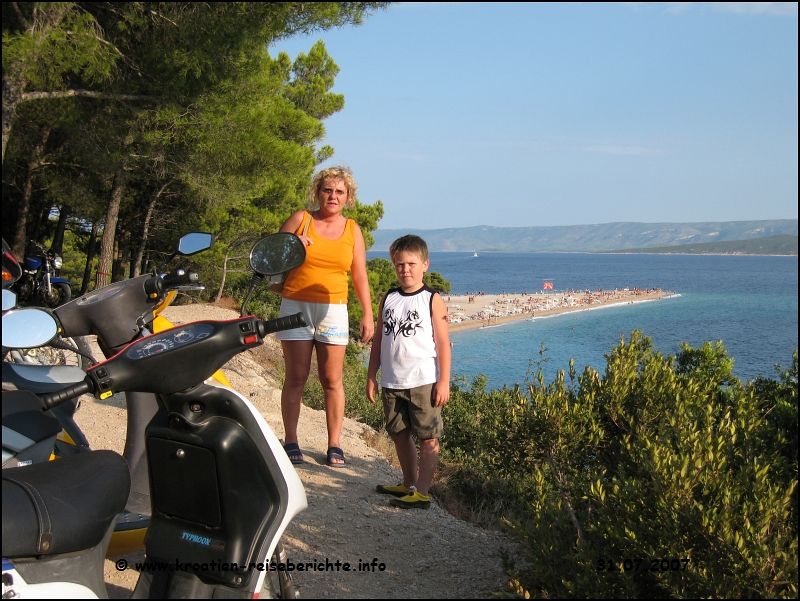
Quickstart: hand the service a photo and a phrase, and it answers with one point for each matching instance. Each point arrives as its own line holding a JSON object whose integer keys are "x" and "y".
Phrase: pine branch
{"x": 83, "y": 94}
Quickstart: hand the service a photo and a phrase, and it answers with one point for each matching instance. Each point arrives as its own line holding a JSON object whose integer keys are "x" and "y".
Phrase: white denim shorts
{"x": 327, "y": 323}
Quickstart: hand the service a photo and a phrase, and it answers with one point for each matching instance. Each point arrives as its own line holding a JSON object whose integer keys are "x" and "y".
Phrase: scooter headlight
{"x": 57, "y": 262}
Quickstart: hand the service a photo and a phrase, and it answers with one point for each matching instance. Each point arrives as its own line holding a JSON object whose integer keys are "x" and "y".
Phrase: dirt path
{"x": 425, "y": 554}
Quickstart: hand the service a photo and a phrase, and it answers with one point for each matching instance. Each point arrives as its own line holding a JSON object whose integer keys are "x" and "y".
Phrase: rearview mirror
{"x": 28, "y": 328}
{"x": 277, "y": 253}
{"x": 9, "y": 299}
{"x": 195, "y": 242}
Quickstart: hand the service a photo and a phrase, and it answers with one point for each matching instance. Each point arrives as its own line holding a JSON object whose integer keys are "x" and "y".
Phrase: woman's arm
{"x": 441, "y": 337}
{"x": 361, "y": 284}
{"x": 292, "y": 224}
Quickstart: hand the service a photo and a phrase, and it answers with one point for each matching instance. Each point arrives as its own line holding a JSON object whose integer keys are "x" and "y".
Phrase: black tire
{"x": 61, "y": 294}
{"x": 285, "y": 588}
{"x": 82, "y": 344}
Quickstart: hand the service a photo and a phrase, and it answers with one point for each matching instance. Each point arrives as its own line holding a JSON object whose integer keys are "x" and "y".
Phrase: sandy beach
{"x": 482, "y": 310}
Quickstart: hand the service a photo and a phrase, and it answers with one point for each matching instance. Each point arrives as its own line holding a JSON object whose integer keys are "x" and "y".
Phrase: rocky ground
{"x": 426, "y": 554}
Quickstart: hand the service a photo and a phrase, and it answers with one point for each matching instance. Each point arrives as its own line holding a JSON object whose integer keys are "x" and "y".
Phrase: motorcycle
{"x": 223, "y": 489}
{"x": 117, "y": 314}
{"x": 39, "y": 286}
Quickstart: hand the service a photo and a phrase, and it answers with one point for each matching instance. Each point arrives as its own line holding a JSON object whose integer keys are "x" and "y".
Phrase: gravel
{"x": 423, "y": 554}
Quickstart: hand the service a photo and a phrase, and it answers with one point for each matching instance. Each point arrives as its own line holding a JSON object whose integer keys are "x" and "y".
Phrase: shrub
{"x": 661, "y": 458}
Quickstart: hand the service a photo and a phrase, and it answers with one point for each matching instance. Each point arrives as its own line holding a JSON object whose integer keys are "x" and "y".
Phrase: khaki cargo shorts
{"x": 412, "y": 408}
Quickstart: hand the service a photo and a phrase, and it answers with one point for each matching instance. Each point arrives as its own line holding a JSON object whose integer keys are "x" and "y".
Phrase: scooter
{"x": 117, "y": 314}
{"x": 223, "y": 489}
{"x": 42, "y": 516}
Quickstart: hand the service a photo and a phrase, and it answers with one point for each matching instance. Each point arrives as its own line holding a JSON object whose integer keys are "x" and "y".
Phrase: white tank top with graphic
{"x": 408, "y": 351}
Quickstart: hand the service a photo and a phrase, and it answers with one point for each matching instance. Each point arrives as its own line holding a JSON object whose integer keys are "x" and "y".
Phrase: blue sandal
{"x": 295, "y": 454}
{"x": 336, "y": 453}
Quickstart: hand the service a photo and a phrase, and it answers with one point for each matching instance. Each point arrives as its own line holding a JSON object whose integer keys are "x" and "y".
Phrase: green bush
{"x": 661, "y": 458}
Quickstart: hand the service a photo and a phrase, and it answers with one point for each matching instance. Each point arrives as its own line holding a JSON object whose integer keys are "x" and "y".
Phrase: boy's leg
{"x": 395, "y": 410}
{"x": 407, "y": 455}
{"x": 427, "y": 423}
{"x": 428, "y": 458}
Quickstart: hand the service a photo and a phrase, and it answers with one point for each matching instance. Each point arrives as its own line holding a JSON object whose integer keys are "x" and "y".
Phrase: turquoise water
{"x": 750, "y": 303}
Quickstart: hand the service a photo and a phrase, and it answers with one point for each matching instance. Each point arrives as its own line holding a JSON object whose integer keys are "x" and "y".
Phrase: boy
{"x": 412, "y": 350}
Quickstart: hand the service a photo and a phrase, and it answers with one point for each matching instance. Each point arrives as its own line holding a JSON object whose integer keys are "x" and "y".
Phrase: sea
{"x": 747, "y": 302}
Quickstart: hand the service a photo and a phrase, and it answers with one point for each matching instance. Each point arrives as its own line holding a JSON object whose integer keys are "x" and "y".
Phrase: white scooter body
{"x": 297, "y": 494}
{"x": 19, "y": 589}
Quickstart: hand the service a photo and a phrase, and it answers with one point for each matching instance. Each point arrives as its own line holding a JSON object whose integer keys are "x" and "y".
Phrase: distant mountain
{"x": 771, "y": 245}
{"x": 588, "y": 238}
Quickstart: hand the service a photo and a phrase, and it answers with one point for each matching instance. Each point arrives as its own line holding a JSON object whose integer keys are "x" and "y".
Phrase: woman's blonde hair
{"x": 342, "y": 173}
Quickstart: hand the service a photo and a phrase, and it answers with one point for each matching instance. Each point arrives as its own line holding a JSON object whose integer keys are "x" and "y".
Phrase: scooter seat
{"x": 62, "y": 506}
{"x": 40, "y": 379}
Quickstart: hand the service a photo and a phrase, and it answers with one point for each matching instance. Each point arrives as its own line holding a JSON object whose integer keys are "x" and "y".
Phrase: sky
{"x": 516, "y": 114}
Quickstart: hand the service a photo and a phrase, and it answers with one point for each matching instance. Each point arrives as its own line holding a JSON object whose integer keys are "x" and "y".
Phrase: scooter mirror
{"x": 28, "y": 328}
{"x": 195, "y": 242}
{"x": 9, "y": 300}
{"x": 277, "y": 253}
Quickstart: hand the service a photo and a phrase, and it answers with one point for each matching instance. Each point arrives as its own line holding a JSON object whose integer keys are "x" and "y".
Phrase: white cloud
{"x": 676, "y": 8}
{"x": 619, "y": 150}
{"x": 784, "y": 9}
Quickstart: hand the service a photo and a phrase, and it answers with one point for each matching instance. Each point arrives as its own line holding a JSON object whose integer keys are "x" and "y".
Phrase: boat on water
{"x": 475, "y": 255}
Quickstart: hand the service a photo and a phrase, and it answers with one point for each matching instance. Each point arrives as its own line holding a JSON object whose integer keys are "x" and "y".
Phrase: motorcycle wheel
{"x": 47, "y": 355}
{"x": 61, "y": 295}
{"x": 285, "y": 588}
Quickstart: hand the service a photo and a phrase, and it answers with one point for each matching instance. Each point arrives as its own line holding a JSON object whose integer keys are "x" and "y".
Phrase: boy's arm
{"x": 375, "y": 356}
{"x": 441, "y": 337}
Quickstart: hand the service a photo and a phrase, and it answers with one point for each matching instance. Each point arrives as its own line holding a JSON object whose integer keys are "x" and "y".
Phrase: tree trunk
{"x": 109, "y": 230}
{"x": 137, "y": 260}
{"x": 41, "y": 213}
{"x": 58, "y": 236}
{"x": 122, "y": 254}
{"x": 91, "y": 249}
{"x": 224, "y": 274}
{"x": 20, "y": 227}
{"x": 12, "y": 95}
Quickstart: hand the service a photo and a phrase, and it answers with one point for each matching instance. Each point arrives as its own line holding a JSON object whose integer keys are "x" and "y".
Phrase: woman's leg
{"x": 297, "y": 356}
{"x": 330, "y": 362}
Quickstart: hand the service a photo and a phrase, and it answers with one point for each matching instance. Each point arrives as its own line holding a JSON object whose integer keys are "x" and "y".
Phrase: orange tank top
{"x": 323, "y": 276}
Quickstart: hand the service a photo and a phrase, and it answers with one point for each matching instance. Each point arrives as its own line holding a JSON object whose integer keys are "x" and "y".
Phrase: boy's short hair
{"x": 409, "y": 243}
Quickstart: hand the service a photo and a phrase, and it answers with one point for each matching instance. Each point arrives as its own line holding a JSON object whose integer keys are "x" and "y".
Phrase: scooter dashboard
{"x": 100, "y": 295}
{"x": 171, "y": 339}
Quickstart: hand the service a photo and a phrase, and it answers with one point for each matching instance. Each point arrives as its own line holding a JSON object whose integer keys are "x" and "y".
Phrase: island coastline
{"x": 490, "y": 310}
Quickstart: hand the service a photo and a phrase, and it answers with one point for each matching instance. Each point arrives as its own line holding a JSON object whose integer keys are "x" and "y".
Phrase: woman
{"x": 318, "y": 288}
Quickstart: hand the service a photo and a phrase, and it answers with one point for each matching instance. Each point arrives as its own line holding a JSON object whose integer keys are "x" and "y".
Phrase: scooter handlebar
{"x": 157, "y": 286}
{"x": 289, "y": 322}
{"x": 53, "y": 399}
{"x": 179, "y": 278}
